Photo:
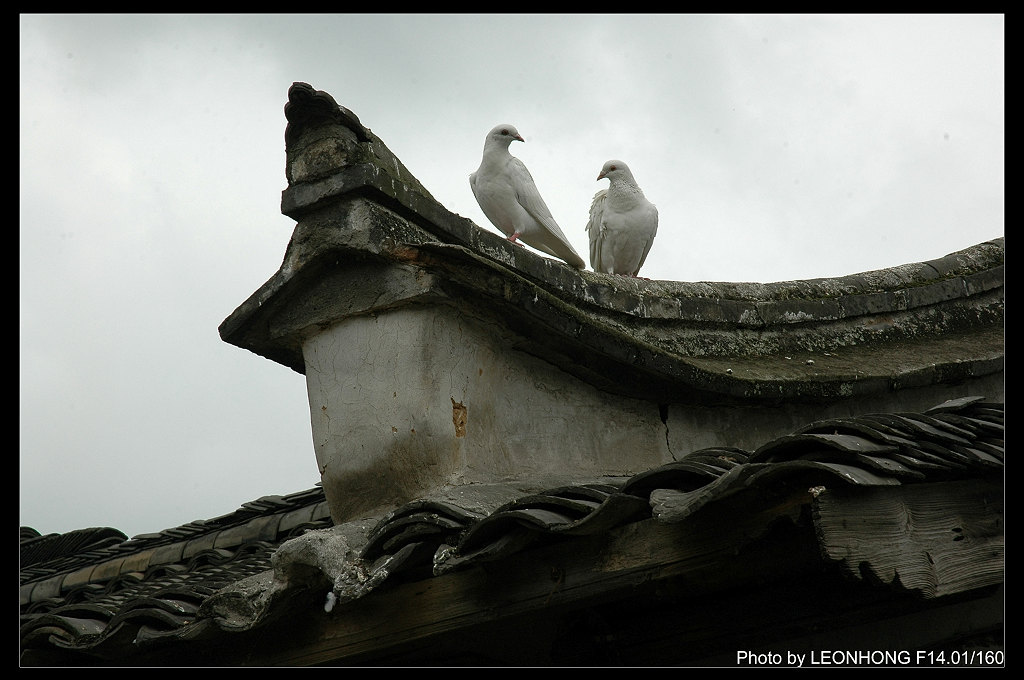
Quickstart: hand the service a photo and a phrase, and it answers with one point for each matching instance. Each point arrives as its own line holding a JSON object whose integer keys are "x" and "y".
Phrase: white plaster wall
{"x": 412, "y": 399}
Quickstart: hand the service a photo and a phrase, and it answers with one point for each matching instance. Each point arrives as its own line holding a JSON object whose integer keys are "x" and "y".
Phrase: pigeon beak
{"x": 520, "y": 138}
{"x": 601, "y": 176}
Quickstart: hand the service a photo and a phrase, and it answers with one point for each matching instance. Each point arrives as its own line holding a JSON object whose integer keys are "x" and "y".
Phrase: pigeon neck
{"x": 496, "y": 156}
{"x": 625, "y": 191}
{"x": 497, "y": 146}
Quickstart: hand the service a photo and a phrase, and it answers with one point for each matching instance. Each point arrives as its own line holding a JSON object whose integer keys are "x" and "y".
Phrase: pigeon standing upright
{"x": 622, "y": 223}
{"x": 509, "y": 198}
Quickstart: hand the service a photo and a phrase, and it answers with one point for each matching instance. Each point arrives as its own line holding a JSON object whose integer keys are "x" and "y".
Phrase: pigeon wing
{"x": 653, "y": 220}
{"x": 594, "y": 228}
{"x": 551, "y": 240}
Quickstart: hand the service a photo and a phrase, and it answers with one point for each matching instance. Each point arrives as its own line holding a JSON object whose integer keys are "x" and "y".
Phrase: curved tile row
{"x": 166, "y": 598}
{"x": 267, "y": 519}
{"x": 150, "y": 587}
{"x": 951, "y": 440}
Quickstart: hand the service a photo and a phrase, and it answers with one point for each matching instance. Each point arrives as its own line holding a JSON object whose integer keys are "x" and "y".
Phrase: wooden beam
{"x": 938, "y": 539}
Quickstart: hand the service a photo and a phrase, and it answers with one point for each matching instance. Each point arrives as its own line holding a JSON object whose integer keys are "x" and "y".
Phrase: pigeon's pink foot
{"x": 512, "y": 239}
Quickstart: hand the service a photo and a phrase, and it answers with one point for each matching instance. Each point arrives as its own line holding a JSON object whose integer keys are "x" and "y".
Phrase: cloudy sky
{"x": 776, "y": 147}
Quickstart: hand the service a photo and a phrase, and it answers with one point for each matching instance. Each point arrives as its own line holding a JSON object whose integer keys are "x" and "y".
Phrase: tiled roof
{"x": 93, "y": 588}
{"x": 92, "y": 591}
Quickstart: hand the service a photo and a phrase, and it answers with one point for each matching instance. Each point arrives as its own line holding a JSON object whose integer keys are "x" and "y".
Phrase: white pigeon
{"x": 622, "y": 223}
{"x": 509, "y": 198}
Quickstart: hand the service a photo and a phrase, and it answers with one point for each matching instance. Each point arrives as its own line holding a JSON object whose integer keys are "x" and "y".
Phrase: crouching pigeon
{"x": 622, "y": 223}
{"x": 509, "y": 198}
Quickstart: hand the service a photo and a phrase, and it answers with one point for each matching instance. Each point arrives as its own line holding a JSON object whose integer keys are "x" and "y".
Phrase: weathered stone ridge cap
{"x": 960, "y": 274}
{"x": 331, "y": 155}
{"x": 970, "y": 272}
{"x": 326, "y": 164}
{"x": 964, "y": 273}
{"x": 323, "y": 136}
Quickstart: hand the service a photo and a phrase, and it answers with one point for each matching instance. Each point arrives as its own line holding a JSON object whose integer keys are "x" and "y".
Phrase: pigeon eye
{"x": 504, "y": 132}
{"x": 612, "y": 168}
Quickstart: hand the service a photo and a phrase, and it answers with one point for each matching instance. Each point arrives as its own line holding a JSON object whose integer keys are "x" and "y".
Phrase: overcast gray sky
{"x": 776, "y": 147}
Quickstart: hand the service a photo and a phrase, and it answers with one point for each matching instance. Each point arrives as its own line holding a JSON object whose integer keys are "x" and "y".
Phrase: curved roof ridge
{"x": 360, "y": 213}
